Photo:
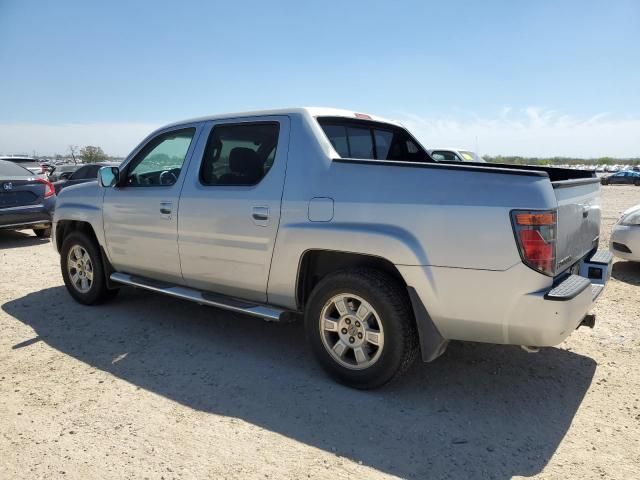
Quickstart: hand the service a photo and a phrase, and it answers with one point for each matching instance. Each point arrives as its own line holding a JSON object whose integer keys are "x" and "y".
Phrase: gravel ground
{"x": 151, "y": 387}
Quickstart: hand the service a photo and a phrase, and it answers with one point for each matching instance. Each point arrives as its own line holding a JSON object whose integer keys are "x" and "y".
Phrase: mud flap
{"x": 432, "y": 344}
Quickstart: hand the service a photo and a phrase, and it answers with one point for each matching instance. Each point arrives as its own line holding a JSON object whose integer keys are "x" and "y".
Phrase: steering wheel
{"x": 168, "y": 175}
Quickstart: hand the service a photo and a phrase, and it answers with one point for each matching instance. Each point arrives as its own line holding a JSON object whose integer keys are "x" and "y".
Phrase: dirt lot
{"x": 151, "y": 387}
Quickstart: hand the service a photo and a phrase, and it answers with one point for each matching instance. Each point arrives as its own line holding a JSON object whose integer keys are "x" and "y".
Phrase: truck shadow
{"x": 478, "y": 411}
{"x": 22, "y": 238}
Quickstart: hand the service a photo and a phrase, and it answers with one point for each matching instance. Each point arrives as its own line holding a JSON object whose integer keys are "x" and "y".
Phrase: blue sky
{"x": 540, "y": 77}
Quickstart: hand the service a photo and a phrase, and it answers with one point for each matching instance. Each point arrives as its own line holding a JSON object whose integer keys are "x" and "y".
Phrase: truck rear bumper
{"x": 517, "y": 306}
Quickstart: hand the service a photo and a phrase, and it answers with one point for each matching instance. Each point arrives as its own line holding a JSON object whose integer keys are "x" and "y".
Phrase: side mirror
{"x": 109, "y": 176}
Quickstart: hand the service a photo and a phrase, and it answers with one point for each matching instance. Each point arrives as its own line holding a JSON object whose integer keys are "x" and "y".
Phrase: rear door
{"x": 230, "y": 206}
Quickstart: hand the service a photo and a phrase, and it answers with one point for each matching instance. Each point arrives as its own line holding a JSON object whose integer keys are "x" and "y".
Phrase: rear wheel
{"x": 83, "y": 271}
{"x": 42, "y": 232}
{"x": 361, "y": 328}
{"x": 637, "y": 183}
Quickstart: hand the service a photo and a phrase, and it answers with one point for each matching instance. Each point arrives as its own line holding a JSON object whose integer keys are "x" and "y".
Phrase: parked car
{"x": 29, "y": 163}
{"x": 454, "y": 155}
{"x": 26, "y": 201}
{"x": 86, "y": 173}
{"x": 626, "y": 177}
{"x": 61, "y": 172}
{"x": 625, "y": 237}
{"x": 365, "y": 234}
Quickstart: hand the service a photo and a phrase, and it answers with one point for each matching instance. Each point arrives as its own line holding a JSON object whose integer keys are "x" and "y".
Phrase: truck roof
{"x": 310, "y": 111}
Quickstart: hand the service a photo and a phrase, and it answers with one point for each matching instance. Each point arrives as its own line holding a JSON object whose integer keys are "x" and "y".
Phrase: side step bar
{"x": 203, "y": 298}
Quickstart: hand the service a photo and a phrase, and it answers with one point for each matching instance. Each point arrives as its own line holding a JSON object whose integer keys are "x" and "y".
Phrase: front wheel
{"x": 361, "y": 327}
{"x": 82, "y": 270}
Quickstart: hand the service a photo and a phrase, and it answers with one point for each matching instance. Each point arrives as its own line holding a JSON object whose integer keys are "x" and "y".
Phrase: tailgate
{"x": 578, "y": 220}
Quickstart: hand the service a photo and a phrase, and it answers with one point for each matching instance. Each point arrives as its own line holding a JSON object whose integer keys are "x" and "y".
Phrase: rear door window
{"x": 239, "y": 154}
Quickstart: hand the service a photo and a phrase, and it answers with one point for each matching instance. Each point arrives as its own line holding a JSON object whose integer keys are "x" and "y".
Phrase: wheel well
{"x": 65, "y": 227}
{"x": 316, "y": 264}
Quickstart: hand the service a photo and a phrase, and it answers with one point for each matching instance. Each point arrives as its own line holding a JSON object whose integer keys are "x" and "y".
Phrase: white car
{"x": 625, "y": 238}
{"x": 455, "y": 155}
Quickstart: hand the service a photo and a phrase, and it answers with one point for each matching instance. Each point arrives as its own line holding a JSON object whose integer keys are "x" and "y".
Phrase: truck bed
{"x": 555, "y": 174}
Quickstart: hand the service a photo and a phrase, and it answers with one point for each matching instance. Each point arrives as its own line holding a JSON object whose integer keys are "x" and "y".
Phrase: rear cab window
{"x": 364, "y": 139}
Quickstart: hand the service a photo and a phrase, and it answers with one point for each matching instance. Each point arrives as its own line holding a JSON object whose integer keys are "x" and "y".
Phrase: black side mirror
{"x": 109, "y": 176}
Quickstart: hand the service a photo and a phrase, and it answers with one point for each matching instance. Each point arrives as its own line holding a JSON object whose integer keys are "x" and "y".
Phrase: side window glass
{"x": 383, "y": 143}
{"x": 239, "y": 154}
{"x": 81, "y": 173}
{"x": 337, "y": 135}
{"x": 412, "y": 148}
{"x": 160, "y": 162}
{"x": 360, "y": 142}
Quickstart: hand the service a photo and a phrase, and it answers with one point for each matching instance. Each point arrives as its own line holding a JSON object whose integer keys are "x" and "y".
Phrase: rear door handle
{"x": 260, "y": 216}
{"x": 165, "y": 209}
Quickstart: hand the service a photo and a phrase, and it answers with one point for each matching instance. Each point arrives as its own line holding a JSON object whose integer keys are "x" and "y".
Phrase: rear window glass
{"x": 22, "y": 160}
{"x": 10, "y": 169}
{"x": 371, "y": 140}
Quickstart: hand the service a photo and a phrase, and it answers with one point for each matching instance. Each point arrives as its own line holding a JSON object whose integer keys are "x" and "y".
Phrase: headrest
{"x": 245, "y": 161}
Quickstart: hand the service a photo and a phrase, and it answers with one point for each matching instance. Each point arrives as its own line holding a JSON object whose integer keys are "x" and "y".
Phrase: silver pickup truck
{"x": 343, "y": 217}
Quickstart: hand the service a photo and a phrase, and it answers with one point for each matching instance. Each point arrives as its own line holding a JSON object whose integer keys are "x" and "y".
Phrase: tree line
{"x": 517, "y": 160}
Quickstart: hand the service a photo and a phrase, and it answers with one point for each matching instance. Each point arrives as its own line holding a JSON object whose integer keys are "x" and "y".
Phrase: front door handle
{"x": 165, "y": 209}
{"x": 260, "y": 216}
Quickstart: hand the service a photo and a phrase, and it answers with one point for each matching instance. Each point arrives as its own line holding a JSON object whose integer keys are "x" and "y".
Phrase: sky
{"x": 539, "y": 78}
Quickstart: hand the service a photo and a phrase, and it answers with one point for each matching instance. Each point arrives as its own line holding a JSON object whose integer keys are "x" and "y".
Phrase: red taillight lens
{"x": 49, "y": 189}
{"x": 536, "y": 237}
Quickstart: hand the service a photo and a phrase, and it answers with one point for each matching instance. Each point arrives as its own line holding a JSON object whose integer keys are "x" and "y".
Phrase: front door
{"x": 230, "y": 206}
{"x": 140, "y": 213}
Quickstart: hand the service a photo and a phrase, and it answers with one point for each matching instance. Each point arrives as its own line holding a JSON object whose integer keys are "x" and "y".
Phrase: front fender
{"x": 80, "y": 203}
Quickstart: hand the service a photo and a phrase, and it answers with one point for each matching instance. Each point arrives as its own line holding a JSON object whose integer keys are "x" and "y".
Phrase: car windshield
{"x": 10, "y": 169}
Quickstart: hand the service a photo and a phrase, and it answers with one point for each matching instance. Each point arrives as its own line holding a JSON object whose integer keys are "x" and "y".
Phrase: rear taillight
{"x": 535, "y": 233}
{"x": 49, "y": 190}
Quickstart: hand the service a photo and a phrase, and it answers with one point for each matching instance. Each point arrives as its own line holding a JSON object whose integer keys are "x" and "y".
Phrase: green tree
{"x": 91, "y": 154}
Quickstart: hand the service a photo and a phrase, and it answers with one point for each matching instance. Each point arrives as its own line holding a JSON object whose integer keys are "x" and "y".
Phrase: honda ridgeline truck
{"x": 345, "y": 218}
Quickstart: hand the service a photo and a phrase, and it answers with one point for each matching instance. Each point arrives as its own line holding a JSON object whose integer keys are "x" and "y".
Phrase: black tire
{"x": 98, "y": 291}
{"x": 42, "y": 232}
{"x": 637, "y": 183}
{"x": 391, "y": 302}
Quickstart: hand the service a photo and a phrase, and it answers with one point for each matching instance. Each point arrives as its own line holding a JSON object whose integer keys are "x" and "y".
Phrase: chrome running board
{"x": 203, "y": 298}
